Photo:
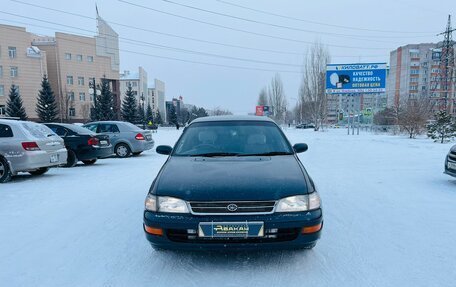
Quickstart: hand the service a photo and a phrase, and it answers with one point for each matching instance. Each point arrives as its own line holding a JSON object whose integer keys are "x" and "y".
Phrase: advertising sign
{"x": 259, "y": 111}
{"x": 356, "y": 78}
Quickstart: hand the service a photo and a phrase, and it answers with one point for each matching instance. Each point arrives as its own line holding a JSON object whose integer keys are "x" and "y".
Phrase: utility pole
{"x": 447, "y": 66}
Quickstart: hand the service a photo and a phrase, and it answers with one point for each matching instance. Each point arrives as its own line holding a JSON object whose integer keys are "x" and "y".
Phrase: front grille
{"x": 271, "y": 235}
{"x": 232, "y": 207}
{"x": 452, "y": 156}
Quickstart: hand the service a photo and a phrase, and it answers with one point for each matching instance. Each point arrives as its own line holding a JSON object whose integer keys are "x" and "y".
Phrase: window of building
{"x": 72, "y": 112}
{"x": 82, "y": 96}
{"x": 90, "y": 59}
{"x": 2, "y": 110}
{"x": 1, "y": 71}
{"x": 70, "y": 96}
{"x": 67, "y": 56}
{"x": 13, "y": 72}
{"x": 79, "y": 58}
{"x": 81, "y": 81}
{"x": 69, "y": 80}
{"x": 12, "y": 52}
{"x": 92, "y": 97}
{"x": 2, "y": 90}
{"x": 135, "y": 84}
{"x": 414, "y": 72}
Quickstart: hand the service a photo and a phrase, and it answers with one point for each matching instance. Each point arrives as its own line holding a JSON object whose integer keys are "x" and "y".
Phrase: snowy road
{"x": 390, "y": 220}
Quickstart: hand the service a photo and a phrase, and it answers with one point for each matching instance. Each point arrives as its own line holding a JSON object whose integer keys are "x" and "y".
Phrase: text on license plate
{"x": 231, "y": 229}
{"x": 54, "y": 158}
{"x": 104, "y": 142}
{"x": 451, "y": 165}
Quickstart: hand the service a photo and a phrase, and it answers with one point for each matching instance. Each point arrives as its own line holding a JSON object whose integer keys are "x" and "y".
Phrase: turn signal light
{"x": 153, "y": 230}
{"x": 30, "y": 146}
{"x": 311, "y": 229}
{"x": 139, "y": 137}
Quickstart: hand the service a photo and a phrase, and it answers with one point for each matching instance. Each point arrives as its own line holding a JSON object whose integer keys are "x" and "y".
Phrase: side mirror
{"x": 164, "y": 149}
{"x": 300, "y": 147}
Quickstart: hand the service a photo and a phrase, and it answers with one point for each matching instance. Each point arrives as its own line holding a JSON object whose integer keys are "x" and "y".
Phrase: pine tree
{"x": 158, "y": 119}
{"x": 14, "y": 105}
{"x": 149, "y": 114}
{"x": 105, "y": 103}
{"x": 129, "y": 106}
{"x": 140, "y": 115}
{"x": 172, "y": 115}
{"x": 443, "y": 129}
{"x": 46, "y": 106}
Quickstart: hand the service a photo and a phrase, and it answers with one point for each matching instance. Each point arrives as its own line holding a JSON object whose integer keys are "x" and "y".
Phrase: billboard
{"x": 259, "y": 110}
{"x": 356, "y": 78}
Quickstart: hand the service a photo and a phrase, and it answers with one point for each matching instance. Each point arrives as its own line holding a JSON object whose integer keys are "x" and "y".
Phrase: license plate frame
{"x": 54, "y": 158}
{"x": 240, "y": 229}
{"x": 103, "y": 142}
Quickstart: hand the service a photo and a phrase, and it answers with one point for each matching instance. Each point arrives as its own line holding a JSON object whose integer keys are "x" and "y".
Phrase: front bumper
{"x": 449, "y": 171}
{"x": 140, "y": 146}
{"x": 282, "y": 231}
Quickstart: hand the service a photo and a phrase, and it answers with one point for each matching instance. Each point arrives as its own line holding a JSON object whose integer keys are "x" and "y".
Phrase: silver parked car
{"x": 126, "y": 138}
{"x": 28, "y": 147}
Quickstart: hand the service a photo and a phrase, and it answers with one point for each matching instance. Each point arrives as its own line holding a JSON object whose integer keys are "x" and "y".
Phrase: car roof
{"x": 104, "y": 122}
{"x": 12, "y": 121}
{"x": 232, "y": 118}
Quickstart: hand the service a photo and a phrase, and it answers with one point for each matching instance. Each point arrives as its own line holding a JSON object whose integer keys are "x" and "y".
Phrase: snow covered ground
{"x": 390, "y": 220}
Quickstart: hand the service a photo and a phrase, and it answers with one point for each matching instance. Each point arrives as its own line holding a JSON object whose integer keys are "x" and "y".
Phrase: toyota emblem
{"x": 232, "y": 207}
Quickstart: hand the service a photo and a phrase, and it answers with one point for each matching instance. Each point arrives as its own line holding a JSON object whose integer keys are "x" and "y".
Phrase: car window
{"x": 108, "y": 128}
{"x": 236, "y": 137}
{"x": 92, "y": 127}
{"x": 5, "y": 131}
{"x": 60, "y": 131}
{"x": 79, "y": 130}
{"x": 37, "y": 130}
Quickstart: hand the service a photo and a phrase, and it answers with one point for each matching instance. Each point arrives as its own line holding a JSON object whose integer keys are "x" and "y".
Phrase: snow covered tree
{"x": 14, "y": 105}
{"x": 263, "y": 97}
{"x": 140, "y": 116}
{"x": 129, "y": 108}
{"x": 413, "y": 114}
{"x": 158, "y": 119}
{"x": 172, "y": 115}
{"x": 443, "y": 129}
{"x": 105, "y": 103}
{"x": 46, "y": 106}
{"x": 149, "y": 114}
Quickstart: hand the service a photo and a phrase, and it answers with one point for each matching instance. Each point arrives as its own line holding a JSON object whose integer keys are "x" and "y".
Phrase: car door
{"x": 110, "y": 130}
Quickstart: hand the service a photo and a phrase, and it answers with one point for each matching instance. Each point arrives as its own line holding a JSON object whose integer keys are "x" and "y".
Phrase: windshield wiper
{"x": 272, "y": 153}
{"x": 211, "y": 154}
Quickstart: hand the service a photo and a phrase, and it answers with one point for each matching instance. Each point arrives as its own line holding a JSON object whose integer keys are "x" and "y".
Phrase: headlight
{"x": 165, "y": 204}
{"x": 299, "y": 203}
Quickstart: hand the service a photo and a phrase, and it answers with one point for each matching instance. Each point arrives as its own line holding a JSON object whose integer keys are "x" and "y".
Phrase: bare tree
{"x": 263, "y": 97}
{"x": 312, "y": 91}
{"x": 217, "y": 111}
{"x": 277, "y": 99}
{"x": 413, "y": 114}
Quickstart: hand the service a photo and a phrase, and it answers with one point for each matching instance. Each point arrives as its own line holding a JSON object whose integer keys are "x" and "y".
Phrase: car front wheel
{"x": 123, "y": 150}
{"x": 5, "y": 173}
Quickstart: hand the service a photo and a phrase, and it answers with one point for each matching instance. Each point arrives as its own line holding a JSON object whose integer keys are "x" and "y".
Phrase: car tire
{"x": 72, "y": 160}
{"x": 89, "y": 162}
{"x": 39, "y": 171}
{"x": 122, "y": 150}
{"x": 5, "y": 172}
{"x": 136, "y": 153}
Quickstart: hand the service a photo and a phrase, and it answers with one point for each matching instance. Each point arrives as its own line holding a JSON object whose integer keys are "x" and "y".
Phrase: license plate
{"x": 54, "y": 158}
{"x": 451, "y": 165}
{"x": 104, "y": 142}
{"x": 231, "y": 229}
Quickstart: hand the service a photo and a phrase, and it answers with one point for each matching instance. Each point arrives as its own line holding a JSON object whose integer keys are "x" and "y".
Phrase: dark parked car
{"x": 232, "y": 182}
{"x": 82, "y": 144}
{"x": 305, "y": 126}
{"x": 450, "y": 162}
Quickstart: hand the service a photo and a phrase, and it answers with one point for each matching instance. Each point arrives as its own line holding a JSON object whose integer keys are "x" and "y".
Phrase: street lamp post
{"x": 142, "y": 107}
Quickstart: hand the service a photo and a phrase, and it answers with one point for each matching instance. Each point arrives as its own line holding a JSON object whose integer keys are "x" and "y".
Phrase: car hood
{"x": 453, "y": 148}
{"x": 231, "y": 178}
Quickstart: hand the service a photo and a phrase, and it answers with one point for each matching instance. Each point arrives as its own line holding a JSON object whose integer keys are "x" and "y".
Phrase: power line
{"x": 240, "y": 30}
{"x": 359, "y": 37}
{"x": 173, "y": 58}
{"x": 163, "y": 46}
{"x": 317, "y": 23}
{"x": 183, "y": 37}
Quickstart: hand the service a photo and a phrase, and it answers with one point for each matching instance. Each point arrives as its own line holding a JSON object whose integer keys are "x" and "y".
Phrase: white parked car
{"x": 28, "y": 147}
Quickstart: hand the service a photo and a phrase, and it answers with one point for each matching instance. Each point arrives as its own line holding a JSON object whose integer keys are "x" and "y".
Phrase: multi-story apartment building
{"x": 75, "y": 62}
{"x": 416, "y": 71}
{"x": 22, "y": 65}
{"x": 157, "y": 98}
{"x": 138, "y": 82}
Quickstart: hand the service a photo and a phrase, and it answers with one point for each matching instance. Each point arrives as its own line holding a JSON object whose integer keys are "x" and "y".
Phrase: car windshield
{"x": 38, "y": 130}
{"x": 232, "y": 138}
